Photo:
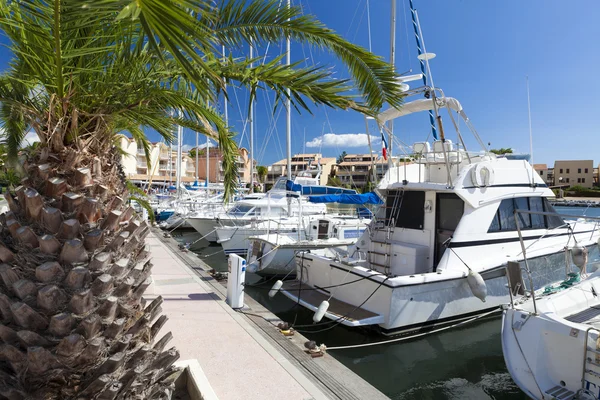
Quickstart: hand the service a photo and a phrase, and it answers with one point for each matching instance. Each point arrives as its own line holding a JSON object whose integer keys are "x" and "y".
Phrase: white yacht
{"x": 274, "y": 253}
{"x": 551, "y": 335}
{"x": 287, "y": 199}
{"x": 203, "y": 220}
{"x": 435, "y": 252}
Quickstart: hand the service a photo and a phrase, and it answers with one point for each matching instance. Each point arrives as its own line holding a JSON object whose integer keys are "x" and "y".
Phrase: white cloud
{"x": 186, "y": 147}
{"x": 203, "y": 145}
{"x": 342, "y": 140}
{"x": 30, "y": 138}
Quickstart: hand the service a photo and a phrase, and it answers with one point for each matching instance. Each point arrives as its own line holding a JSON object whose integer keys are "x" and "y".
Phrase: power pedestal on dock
{"x": 236, "y": 278}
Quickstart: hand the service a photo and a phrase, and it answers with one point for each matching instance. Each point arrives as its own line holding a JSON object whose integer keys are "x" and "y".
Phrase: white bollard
{"x": 236, "y": 278}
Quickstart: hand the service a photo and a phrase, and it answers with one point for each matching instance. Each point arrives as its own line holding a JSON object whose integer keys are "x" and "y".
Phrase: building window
{"x": 586, "y": 170}
{"x": 582, "y": 180}
{"x": 578, "y": 170}
{"x": 568, "y": 170}
{"x": 567, "y": 180}
{"x": 542, "y": 173}
{"x": 561, "y": 170}
{"x": 578, "y": 180}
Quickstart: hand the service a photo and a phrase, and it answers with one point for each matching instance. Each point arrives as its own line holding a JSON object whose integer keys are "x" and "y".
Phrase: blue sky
{"x": 485, "y": 49}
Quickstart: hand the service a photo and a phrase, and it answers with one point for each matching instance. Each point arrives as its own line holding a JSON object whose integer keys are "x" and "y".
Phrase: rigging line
{"x": 407, "y": 36}
{"x": 369, "y": 24}
{"x": 353, "y": 17}
{"x": 272, "y": 126}
{"x": 244, "y": 120}
{"x": 358, "y": 24}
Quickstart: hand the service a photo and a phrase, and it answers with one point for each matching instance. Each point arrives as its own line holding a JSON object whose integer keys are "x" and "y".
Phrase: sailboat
{"x": 551, "y": 333}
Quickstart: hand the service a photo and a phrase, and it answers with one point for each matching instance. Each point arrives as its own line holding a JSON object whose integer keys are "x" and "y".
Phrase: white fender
{"x": 579, "y": 254}
{"x": 477, "y": 285}
{"x": 275, "y": 288}
{"x": 321, "y": 311}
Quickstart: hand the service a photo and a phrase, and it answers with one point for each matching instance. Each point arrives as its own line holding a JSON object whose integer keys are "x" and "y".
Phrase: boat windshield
{"x": 241, "y": 210}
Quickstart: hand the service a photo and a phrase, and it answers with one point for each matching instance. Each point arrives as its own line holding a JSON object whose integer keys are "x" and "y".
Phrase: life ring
{"x": 482, "y": 175}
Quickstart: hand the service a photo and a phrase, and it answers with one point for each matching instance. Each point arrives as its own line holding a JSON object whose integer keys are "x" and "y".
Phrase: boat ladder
{"x": 591, "y": 362}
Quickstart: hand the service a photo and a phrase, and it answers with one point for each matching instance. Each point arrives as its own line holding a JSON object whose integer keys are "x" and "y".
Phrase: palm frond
{"x": 240, "y": 22}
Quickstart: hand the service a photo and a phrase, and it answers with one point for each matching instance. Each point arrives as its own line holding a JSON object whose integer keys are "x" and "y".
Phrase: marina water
{"x": 460, "y": 363}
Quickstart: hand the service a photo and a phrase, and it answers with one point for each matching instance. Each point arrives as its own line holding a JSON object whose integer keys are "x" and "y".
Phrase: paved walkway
{"x": 238, "y": 362}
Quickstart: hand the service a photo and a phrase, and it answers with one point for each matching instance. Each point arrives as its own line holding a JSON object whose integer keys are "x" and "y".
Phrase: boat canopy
{"x": 420, "y": 105}
{"x": 366, "y": 198}
{"x": 308, "y": 190}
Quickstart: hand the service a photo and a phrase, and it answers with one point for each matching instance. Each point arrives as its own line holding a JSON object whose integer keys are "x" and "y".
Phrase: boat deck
{"x": 338, "y": 308}
{"x": 586, "y": 316}
{"x": 561, "y": 393}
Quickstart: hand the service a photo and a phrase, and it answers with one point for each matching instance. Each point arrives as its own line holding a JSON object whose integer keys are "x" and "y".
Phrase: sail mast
{"x": 393, "y": 62}
{"x": 251, "y": 131}
{"x": 288, "y": 126}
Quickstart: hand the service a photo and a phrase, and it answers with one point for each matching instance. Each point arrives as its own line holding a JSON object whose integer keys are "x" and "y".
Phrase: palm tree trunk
{"x": 74, "y": 269}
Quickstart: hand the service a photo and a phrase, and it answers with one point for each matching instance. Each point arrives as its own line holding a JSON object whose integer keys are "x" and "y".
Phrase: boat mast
{"x": 251, "y": 131}
{"x": 207, "y": 163}
{"x": 179, "y": 154}
{"x": 197, "y": 150}
{"x": 392, "y": 62}
{"x": 288, "y": 125}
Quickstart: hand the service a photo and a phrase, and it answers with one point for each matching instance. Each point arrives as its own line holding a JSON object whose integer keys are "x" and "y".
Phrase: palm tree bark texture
{"x": 74, "y": 269}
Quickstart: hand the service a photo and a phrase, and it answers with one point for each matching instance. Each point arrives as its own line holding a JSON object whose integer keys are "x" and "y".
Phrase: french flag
{"x": 384, "y": 146}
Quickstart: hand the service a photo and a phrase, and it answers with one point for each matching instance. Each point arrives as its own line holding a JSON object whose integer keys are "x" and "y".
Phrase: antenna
{"x": 530, "y": 131}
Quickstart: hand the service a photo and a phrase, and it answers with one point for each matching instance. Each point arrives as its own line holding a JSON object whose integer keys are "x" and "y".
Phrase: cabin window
{"x": 323, "y": 229}
{"x": 537, "y": 221}
{"x": 504, "y": 219}
{"x": 405, "y": 209}
{"x": 240, "y": 210}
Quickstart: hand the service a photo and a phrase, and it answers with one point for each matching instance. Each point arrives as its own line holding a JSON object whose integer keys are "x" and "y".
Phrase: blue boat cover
{"x": 367, "y": 198}
{"x": 319, "y": 190}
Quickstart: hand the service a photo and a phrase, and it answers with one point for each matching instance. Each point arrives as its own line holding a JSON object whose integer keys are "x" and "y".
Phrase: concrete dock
{"x": 242, "y": 356}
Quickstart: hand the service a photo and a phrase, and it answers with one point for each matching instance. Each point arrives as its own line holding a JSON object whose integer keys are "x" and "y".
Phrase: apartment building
{"x": 574, "y": 173}
{"x": 215, "y": 165}
{"x": 356, "y": 170}
{"x": 163, "y": 163}
{"x": 547, "y": 174}
{"x": 302, "y": 163}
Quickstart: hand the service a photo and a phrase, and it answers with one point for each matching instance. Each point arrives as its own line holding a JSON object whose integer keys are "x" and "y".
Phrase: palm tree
{"x": 262, "y": 171}
{"x": 74, "y": 266}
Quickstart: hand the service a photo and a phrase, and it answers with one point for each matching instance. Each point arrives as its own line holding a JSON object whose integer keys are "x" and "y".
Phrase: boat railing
{"x": 578, "y": 254}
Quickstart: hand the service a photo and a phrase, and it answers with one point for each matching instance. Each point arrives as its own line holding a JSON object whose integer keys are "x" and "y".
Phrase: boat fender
{"x": 253, "y": 267}
{"x": 477, "y": 285}
{"x": 275, "y": 288}
{"x": 579, "y": 254}
{"x": 321, "y": 311}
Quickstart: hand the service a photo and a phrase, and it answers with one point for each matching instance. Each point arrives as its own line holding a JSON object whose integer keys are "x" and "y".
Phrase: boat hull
{"x": 411, "y": 304}
{"x": 205, "y": 227}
